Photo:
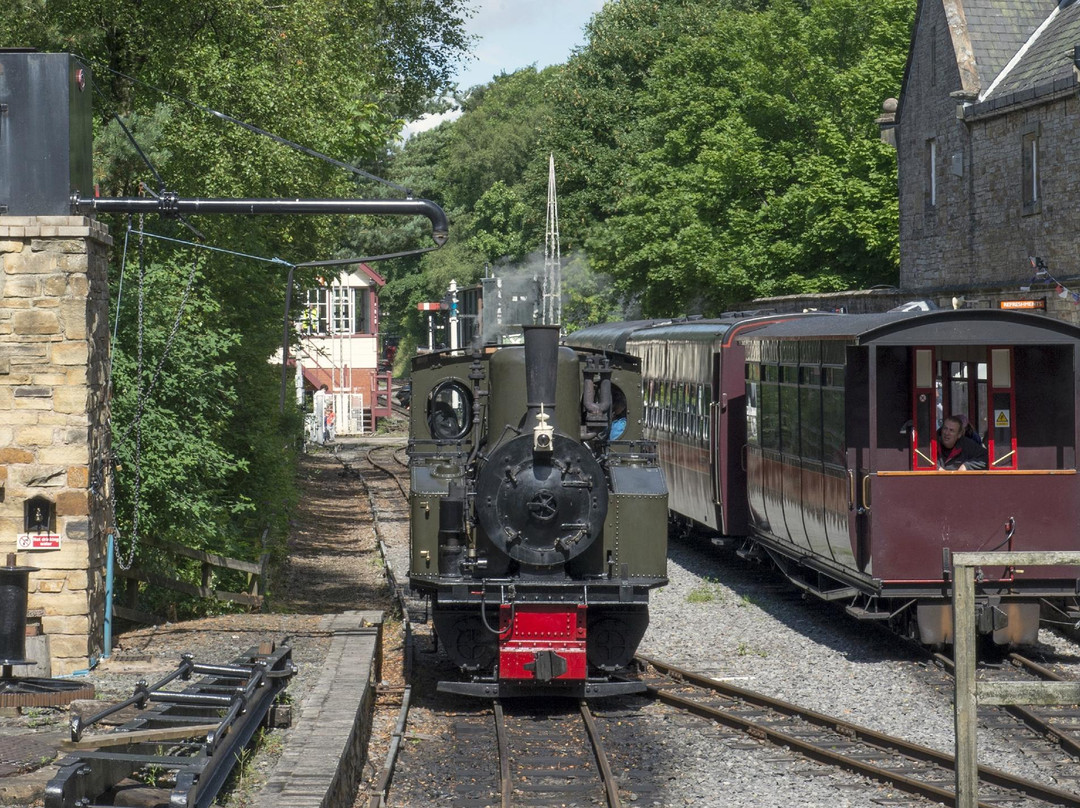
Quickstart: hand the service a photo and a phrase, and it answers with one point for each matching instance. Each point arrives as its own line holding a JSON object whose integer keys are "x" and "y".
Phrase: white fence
{"x": 335, "y": 414}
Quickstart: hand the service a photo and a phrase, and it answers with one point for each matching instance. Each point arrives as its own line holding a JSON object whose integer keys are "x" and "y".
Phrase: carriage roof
{"x": 962, "y": 327}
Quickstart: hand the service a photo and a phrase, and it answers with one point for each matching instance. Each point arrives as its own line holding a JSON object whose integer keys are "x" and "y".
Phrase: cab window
{"x": 450, "y": 410}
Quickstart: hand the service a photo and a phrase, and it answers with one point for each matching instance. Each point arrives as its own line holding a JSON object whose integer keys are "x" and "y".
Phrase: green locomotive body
{"x": 536, "y": 530}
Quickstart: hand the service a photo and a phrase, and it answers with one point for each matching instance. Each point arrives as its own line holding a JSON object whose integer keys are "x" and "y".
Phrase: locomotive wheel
{"x": 613, "y": 637}
{"x": 467, "y": 642}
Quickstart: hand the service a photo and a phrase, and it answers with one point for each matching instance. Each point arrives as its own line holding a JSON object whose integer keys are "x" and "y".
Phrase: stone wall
{"x": 935, "y": 239}
{"x": 979, "y": 233}
{"x": 54, "y": 414}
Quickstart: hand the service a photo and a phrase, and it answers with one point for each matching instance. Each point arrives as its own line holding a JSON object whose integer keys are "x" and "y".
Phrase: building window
{"x": 334, "y": 310}
{"x": 1030, "y": 162}
{"x": 933, "y": 56}
{"x": 931, "y": 173}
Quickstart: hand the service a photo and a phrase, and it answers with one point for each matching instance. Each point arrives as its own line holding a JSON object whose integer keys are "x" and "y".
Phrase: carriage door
{"x": 716, "y": 423}
{"x": 924, "y": 412}
{"x": 1002, "y": 412}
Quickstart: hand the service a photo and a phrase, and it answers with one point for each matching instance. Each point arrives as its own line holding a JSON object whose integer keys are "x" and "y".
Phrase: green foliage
{"x": 756, "y": 166}
{"x": 707, "y": 591}
{"x": 707, "y": 152}
{"x": 484, "y": 168}
{"x": 212, "y": 452}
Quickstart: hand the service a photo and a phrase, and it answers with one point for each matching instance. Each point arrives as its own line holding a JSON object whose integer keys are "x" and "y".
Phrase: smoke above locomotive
{"x": 538, "y": 514}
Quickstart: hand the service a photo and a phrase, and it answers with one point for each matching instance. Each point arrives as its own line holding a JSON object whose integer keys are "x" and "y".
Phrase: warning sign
{"x": 1001, "y": 419}
{"x": 38, "y": 541}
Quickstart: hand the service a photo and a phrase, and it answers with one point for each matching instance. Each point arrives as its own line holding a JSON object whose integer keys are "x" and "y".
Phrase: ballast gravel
{"x": 738, "y": 622}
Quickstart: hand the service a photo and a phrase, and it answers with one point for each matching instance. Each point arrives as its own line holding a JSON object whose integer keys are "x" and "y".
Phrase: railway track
{"x": 908, "y": 767}
{"x": 545, "y": 755}
{"x": 1056, "y": 724}
{"x": 512, "y": 753}
{"x": 552, "y": 757}
{"x": 392, "y": 463}
{"x": 381, "y": 480}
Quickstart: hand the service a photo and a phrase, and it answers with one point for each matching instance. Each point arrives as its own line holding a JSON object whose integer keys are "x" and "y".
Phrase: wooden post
{"x": 968, "y": 692}
{"x": 964, "y": 646}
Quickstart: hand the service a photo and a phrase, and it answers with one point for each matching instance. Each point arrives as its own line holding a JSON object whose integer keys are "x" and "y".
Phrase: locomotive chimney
{"x": 541, "y": 366}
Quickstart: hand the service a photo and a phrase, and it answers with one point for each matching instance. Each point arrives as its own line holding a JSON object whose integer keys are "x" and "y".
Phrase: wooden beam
{"x": 139, "y": 736}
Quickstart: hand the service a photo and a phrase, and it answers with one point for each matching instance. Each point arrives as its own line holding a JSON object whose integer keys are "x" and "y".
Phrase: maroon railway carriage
{"x": 841, "y": 461}
{"x": 693, "y": 393}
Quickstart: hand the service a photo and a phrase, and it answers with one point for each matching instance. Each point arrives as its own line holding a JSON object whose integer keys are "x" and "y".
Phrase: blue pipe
{"x": 108, "y": 595}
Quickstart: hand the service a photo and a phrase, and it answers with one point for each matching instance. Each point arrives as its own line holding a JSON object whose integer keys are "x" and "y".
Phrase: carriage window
{"x": 702, "y": 413}
{"x": 833, "y": 436}
{"x": 975, "y": 384}
{"x": 810, "y": 411}
{"x": 769, "y": 418}
{"x": 753, "y": 388}
{"x": 449, "y": 414}
{"x": 789, "y": 410}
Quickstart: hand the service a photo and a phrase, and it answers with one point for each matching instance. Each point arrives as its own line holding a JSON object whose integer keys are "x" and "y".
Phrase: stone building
{"x": 54, "y": 434}
{"x": 987, "y": 131}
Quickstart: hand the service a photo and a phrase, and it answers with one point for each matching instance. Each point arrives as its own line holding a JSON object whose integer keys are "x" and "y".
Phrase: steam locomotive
{"x": 536, "y": 530}
{"x": 811, "y": 440}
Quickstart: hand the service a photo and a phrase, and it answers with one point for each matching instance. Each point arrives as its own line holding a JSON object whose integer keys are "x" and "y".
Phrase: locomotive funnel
{"x": 541, "y": 366}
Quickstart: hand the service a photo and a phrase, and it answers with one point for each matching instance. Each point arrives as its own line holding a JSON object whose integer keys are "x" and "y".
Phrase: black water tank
{"x": 46, "y": 133}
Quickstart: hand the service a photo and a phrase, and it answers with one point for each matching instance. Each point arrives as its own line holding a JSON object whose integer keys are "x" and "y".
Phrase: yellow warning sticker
{"x": 1001, "y": 418}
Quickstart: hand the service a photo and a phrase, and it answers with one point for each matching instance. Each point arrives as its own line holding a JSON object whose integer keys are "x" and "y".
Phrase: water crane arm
{"x": 170, "y": 204}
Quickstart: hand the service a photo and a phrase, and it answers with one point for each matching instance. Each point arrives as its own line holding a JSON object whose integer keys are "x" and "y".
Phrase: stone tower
{"x": 54, "y": 423}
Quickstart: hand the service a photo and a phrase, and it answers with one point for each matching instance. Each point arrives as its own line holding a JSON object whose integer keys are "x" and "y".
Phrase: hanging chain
{"x": 125, "y": 564}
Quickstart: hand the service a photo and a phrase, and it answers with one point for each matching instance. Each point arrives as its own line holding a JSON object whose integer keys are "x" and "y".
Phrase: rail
{"x": 907, "y": 766}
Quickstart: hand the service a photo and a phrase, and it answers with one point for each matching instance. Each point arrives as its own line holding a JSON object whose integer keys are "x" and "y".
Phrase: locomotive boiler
{"x": 536, "y": 529}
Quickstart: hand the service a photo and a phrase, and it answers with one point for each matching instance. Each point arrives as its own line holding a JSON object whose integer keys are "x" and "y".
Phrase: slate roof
{"x": 1042, "y": 35}
{"x": 1049, "y": 57}
{"x": 997, "y": 29}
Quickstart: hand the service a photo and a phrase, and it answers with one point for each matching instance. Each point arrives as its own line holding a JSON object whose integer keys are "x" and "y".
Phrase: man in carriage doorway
{"x": 958, "y": 452}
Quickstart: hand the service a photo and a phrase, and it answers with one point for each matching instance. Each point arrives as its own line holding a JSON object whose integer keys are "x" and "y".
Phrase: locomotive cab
{"x": 536, "y": 538}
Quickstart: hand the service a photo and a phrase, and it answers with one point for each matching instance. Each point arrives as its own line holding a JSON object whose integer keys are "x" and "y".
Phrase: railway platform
{"x": 317, "y": 760}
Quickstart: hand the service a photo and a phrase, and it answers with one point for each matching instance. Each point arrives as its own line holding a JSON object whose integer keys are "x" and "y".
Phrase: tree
{"x": 758, "y": 168}
{"x": 489, "y": 170}
{"x": 214, "y": 452}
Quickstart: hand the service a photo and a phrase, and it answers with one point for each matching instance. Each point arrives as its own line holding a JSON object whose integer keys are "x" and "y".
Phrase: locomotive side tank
{"x": 535, "y": 534}
{"x": 844, "y": 479}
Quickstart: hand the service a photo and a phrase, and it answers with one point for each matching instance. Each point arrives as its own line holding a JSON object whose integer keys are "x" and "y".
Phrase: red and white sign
{"x": 38, "y": 541}
{"x": 428, "y": 306}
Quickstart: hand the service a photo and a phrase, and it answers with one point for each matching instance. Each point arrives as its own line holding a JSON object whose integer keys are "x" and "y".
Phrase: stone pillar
{"x": 54, "y": 419}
